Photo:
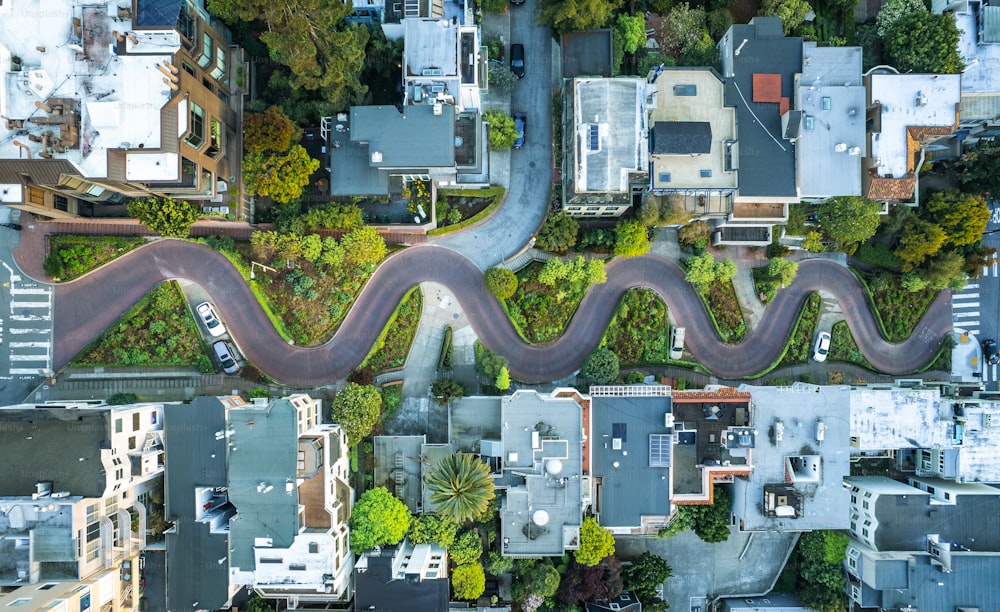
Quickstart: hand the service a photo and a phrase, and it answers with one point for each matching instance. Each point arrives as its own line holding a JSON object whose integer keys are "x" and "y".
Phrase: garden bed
{"x": 764, "y": 285}
{"x": 844, "y": 348}
{"x": 539, "y": 312}
{"x": 800, "y": 345}
{"x": 897, "y": 310}
{"x": 158, "y": 331}
{"x": 478, "y": 205}
{"x": 724, "y": 310}
{"x": 81, "y": 254}
{"x": 393, "y": 345}
{"x": 639, "y": 330}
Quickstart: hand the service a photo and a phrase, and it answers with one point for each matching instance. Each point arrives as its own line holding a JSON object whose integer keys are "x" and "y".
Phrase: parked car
{"x": 822, "y": 346}
{"x": 210, "y": 319}
{"x": 224, "y": 353}
{"x": 13, "y": 226}
{"x": 676, "y": 342}
{"x": 520, "y": 120}
{"x": 990, "y": 354}
{"x": 517, "y": 60}
{"x": 516, "y": 2}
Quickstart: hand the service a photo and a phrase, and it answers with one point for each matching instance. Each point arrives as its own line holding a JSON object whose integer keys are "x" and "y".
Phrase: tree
{"x": 460, "y": 487}
{"x": 167, "y": 217}
{"x": 501, "y": 77}
{"x": 694, "y": 234}
{"x": 258, "y": 605}
{"x": 356, "y": 409}
{"x": 377, "y": 518}
{"x": 312, "y": 247}
{"x": 792, "y": 12}
{"x": 489, "y": 363}
{"x": 577, "y": 15}
{"x": 924, "y": 42}
{"x": 333, "y": 215}
{"x": 631, "y": 239}
{"x": 445, "y": 389}
{"x": 466, "y": 549}
{"x": 646, "y": 574}
{"x": 501, "y": 282}
{"x": 849, "y": 220}
{"x": 364, "y": 246}
{"x": 813, "y": 242}
{"x": 782, "y": 271}
{"x": 282, "y": 177}
{"x": 503, "y": 131}
{"x": 893, "y": 10}
{"x": 534, "y": 577}
{"x": 631, "y": 31}
{"x": 600, "y": 367}
{"x": 270, "y": 131}
{"x": 582, "y": 583}
{"x": 702, "y": 270}
{"x": 944, "y": 270}
{"x": 962, "y": 216}
{"x": 431, "y": 528}
{"x": 596, "y": 542}
{"x": 711, "y": 523}
{"x": 823, "y": 546}
{"x": 322, "y": 52}
{"x": 682, "y": 29}
{"x": 557, "y": 234}
{"x": 920, "y": 239}
{"x": 503, "y": 380}
{"x": 978, "y": 171}
{"x": 498, "y": 564}
{"x": 468, "y": 581}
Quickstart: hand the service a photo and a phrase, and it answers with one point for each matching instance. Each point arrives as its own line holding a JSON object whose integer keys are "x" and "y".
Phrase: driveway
{"x": 87, "y": 306}
{"x": 515, "y": 223}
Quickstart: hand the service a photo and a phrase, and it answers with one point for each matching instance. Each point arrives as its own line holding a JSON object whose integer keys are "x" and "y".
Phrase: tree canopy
{"x": 534, "y": 577}
{"x": 792, "y": 12}
{"x": 962, "y": 216}
{"x": 364, "y": 246}
{"x": 271, "y": 131}
{"x": 377, "y": 518}
{"x": 703, "y": 270}
{"x": 503, "y": 131}
{"x": 893, "y": 10}
{"x": 647, "y": 574}
{"x": 600, "y": 367}
{"x": 924, "y": 42}
{"x": 583, "y": 583}
{"x": 468, "y": 581}
{"x": 467, "y": 548}
{"x": 631, "y": 239}
{"x": 978, "y": 170}
{"x": 460, "y": 487}
{"x": 596, "y": 543}
{"x": 558, "y": 233}
{"x": 503, "y": 379}
{"x": 578, "y": 272}
{"x": 446, "y": 389}
{"x": 501, "y": 282}
{"x": 282, "y": 177}
{"x": 849, "y": 220}
{"x": 631, "y": 31}
{"x": 920, "y": 239}
{"x": 577, "y": 15}
{"x": 356, "y": 409}
{"x": 167, "y": 217}
{"x": 431, "y": 528}
{"x": 782, "y": 271}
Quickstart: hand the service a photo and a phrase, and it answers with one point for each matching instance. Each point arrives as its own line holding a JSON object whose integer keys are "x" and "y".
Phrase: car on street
{"x": 676, "y": 343}
{"x": 822, "y": 348}
{"x": 990, "y": 354}
{"x": 211, "y": 319}
{"x": 224, "y": 353}
{"x": 520, "y": 121}
{"x": 517, "y": 60}
{"x": 516, "y": 2}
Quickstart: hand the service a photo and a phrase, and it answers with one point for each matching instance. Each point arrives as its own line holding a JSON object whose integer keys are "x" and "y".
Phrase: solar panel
{"x": 660, "y": 450}
{"x": 620, "y": 430}
{"x": 595, "y": 137}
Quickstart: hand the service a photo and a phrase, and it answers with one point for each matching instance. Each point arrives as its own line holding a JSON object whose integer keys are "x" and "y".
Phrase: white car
{"x": 822, "y": 348}
{"x": 210, "y": 319}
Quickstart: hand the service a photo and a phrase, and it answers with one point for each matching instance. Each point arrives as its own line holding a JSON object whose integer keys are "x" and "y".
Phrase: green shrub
{"x": 445, "y": 359}
{"x": 878, "y": 254}
{"x": 120, "y": 399}
{"x": 53, "y": 266}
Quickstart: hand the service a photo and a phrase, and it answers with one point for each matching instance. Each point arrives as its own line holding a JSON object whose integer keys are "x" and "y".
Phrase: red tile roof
{"x": 767, "y": 88}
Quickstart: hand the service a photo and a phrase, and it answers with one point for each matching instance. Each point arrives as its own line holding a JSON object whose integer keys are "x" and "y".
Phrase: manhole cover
{"x": 531, "y": 165}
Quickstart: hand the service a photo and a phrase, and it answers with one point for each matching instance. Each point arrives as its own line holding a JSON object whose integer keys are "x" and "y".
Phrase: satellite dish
{"x": 553, "y": 466}
{"x": 540, "y": 518}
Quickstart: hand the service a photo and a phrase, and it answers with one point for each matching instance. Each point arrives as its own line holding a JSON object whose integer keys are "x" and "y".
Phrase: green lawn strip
{"x": 541, "y": 313}
{"x": 844, "y": 348}
{"x": 799, "y": 343}
{"x": 81, "y": 254}
{"x": 724, "y": 310}
{"x": 897, "y": 311}
{"x": 639, "y": 329}
{"x": 393, "y": 344}
{"x": 498, "y": 196}
{"x": 762, "y": 283}
{"x": 445, "y": 357}
{"x": 392, "y": 397}
{"x": 158, "y": 331}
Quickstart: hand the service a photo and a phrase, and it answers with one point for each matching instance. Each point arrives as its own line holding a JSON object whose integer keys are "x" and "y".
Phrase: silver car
{"x": 224, "y": 353}
{"x": 210, "y": 319}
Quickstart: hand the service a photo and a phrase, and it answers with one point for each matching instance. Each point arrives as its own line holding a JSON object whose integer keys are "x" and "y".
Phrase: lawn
{"x": 897, "y": 310}
{"x": 724, "y": 310}
{"x": 81, "y": 254}
{"x": 843, "y": 347}
{"x": 393, "y": 345}
{"x": 801, "y": 343}
{"x": 539, "y": 312}
{"x": 639, "y": 331}
{"x": 763, "y": 284}
{"x": 158, "y": 331}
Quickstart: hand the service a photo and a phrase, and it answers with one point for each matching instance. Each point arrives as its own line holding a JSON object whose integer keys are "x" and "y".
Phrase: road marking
{"x": 965, "y": 305}
{"x": 14, "y": 305}
{"x": 965, "y": 315}
{"x": 43, "y": 357}
{"x": 27, "y": 330}
{"x": 24, "y": 291}
{"x": 974, "y": 332}
{"x": 30, "y": 318}
{"x": 30, "y": 344}
{"x": 972, "y": 286}
{"x": 962, "y": 296}
{"x": 36, "y": 371}
{"x": 986, "y": 271}
{"x": 994, "y": 371}
{"x": 994, "y": 268}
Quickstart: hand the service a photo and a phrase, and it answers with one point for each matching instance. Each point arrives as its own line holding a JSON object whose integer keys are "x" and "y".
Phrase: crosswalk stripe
{"x": 974, "y": 332}
{"x": 30, "y": 318}
{"x": 14, "y": 305}
{"x": 44, "y": 358}
{"x": 964, "y": 315}
{"x": 24, "y": 291}
{"x": 972, "y": 286}
{"x": 37, "y": 371}
{"x": 26, "y": 330}
{"x": 986, "y": 271}
{"x": 965, "y": 305}
{"x": 30, "y": 344}
{"x": 963, "y": 296}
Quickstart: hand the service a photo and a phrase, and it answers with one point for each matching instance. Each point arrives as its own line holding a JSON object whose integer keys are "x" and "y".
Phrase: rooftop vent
{"x": 921, "y": 99}
{"x": 854, "y": 151}
{"x": 376, "y": 157}
{"x": 840, "y": 147}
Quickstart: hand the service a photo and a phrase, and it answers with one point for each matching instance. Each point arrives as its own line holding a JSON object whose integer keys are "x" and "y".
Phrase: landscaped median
{"x": 495, "y": 192}
{"x": 72, "y": 256}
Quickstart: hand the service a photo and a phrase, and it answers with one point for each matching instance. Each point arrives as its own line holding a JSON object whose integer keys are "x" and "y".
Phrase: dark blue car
{"x": 520, "y": 120}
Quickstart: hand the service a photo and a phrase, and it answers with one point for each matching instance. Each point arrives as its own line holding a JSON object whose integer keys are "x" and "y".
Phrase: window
{"x": 214, "y": 138}
{"x": 61, "y": 203}
{"x": 135, "y": 421}
{"x": 118, "y": 425}
{"x": 196, "y": 127}
{"x": 220, "y": 64}
{"x": 810, "y": 122}
{"x": 947, "y": 495}
{"x": 706, "y": 174}
{"x": 595, "y": 138}
{"x": 206, "y": 51}
{"x": 827, "y": 103}
{"x": 593, "y": 208}
{"x": 270, "y": 560}
{"x": 864, "y": 532}
{"x": 131, "y": 442}
{"x": 854, "y": 499}
{"x": 91, "y": 513}
{"x": 47, "y": 586}
{"x": 93, "y": 531}
{"x": 313, "y": 547}
{"x": 297, "y": 567}
{"x": 864, "y": 505}
{"x": 188, "y": 68}
{"x": 664, "y": 177}
{"x": 930, "y": 490}
{"x": 152, "y": 417}
{"x": 685, "y": 90}
{"x": 19, "y": 602}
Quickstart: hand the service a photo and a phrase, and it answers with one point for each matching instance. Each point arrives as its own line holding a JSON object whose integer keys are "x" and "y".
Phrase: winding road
{"x": 87, "y": 306}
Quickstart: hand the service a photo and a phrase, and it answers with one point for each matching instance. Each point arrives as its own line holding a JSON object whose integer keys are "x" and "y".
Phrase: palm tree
{"x": 461, "y": 487}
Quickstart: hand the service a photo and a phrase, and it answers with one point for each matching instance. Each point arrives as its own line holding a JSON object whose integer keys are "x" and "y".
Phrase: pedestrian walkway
{"x": 26, "y": 330}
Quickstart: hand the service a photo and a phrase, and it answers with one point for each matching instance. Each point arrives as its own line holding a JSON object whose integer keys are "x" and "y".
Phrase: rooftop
{"x": 772, "y": 602}
{"x": 102, "y": 94}
{"x": 440, "y": 57}
{"x": 788, "y": 419}
{"x": 262, "y": 479}
{"x": 398, "y": 468}
{"x": 982, "y": 61}
{"x": 968, "y": 586}
{"x": 625, "y": 429}
{"x": 611, "y": 135}
{"x": 695, "y": 95}
{"x": 542, "y": 471}
{"x": 587, "y": 54}
{"x": 379, "y": 585}
{"x": 58, "y": 443}
{"x": 909, "y": 101}
{"x": 899, "y": 418}
{"x": 766, "y": 160}
{"x": 416, "y": 138}
{"x": 830, "y": 94}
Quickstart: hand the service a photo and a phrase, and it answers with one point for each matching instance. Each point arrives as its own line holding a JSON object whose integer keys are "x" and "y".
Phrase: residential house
{"x": 587, "y": 54}
{"x": 930, "y": 434}
{"x": 76, "y": 483}
{"x": 392, "y": 16}
{"x": 905, "y": 112}
{"x": 105, "y": 102}
{"x": 402, "y": 577}
{"x": 442, "y": 64}
{"x": 979, "y": 45}
{"x": 114, "y": 589}
{"x": 539, "y": 473}
{"x": 401, "y": 465}
{"x": 800, "y": 463}
{"x": 605, "y": 143}
{"x": 773, "y": 602}
{"x": 922, "y": 544}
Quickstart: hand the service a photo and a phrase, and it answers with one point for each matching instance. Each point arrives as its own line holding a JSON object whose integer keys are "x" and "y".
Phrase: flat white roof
{"x": 982, "y": 62}
{"x": 151, "y": 166}
{"x": 939, "y": 94}
{"x": 611, "y": 134}
{"x": 119, "y": 98}
{"x": 898, "y": 418}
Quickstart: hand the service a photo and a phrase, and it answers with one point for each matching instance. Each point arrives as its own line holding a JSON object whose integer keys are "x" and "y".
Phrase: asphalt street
{"x": 976, "y": 309}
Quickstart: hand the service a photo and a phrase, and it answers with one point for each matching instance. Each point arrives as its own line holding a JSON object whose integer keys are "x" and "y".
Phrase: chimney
{"x": 42, "y": 105}
{"x": 23, "y": 146}
{"x": 132, "y": 37}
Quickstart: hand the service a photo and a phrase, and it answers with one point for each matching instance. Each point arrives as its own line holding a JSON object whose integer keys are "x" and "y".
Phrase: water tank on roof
{"x": 784, "y": 511}
{"x": 540, "y": 518}
{"x": 553, "y": 466}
